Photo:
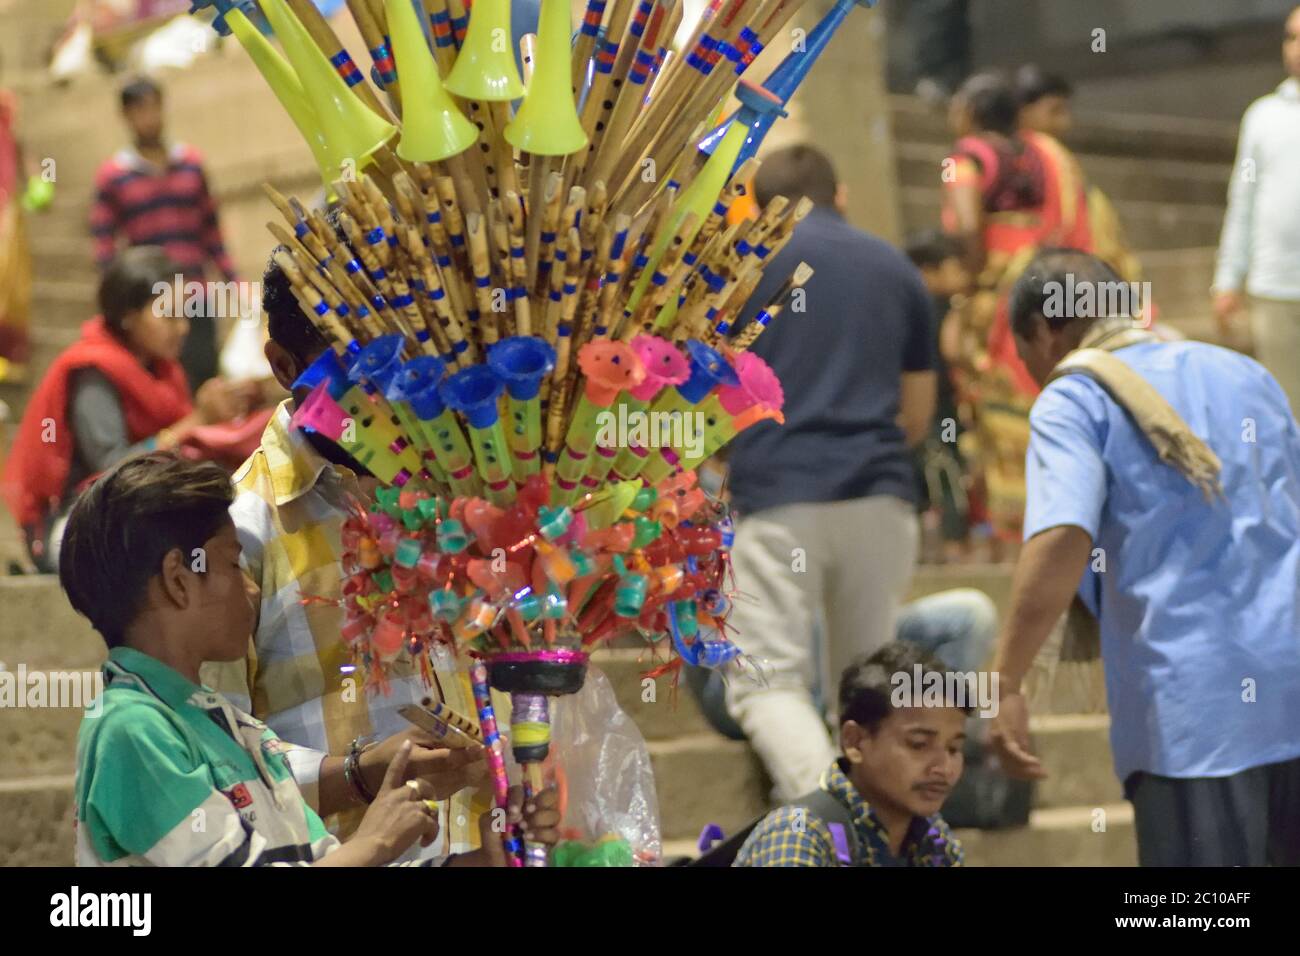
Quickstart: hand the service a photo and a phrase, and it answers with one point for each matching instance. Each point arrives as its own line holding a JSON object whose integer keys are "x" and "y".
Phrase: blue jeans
{"x": 958, "y": 627}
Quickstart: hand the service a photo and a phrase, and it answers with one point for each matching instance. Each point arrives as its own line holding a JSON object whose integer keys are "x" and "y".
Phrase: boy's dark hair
{"x": 1051, "y": 270}
{"x": 130, "y": 282}
{"x": 138, "y": 90}
{"x": 1033, "y": 83}
{"x": 929, "y": 248}
{"x": 992, "y": 103}
{"x": 796, "y": 171}
{"x": 286, "y": 323}
{"x": 122, "y": 526}
{"x": 866, "y": 686}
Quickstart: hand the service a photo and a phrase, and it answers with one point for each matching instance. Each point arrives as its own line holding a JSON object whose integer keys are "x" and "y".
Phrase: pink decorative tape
{"x": 560, "y": 655}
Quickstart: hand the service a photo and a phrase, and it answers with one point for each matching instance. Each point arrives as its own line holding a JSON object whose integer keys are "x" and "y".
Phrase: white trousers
{"x": 843, "y": 565}
{"x": 1275, "y": 327}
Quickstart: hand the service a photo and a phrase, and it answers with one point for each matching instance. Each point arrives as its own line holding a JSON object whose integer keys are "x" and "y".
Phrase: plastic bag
{"x": 609, "y": 780}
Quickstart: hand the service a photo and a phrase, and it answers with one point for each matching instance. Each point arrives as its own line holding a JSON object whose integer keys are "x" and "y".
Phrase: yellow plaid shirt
{"x": 290, "y": 504}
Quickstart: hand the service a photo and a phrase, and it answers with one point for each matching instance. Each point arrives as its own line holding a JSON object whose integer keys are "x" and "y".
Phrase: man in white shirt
{"x": 1259, "y": 251}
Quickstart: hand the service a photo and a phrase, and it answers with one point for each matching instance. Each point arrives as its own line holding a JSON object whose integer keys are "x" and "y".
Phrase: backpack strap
{"x": 820, "y": 804}
{"x": 838, "y": 820}
{"x": 724, "y": 853}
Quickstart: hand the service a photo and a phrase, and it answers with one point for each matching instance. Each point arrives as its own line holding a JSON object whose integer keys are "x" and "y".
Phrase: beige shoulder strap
{"x": 1174, "y": 441}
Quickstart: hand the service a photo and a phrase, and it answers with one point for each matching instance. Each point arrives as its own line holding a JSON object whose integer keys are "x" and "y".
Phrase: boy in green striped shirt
{"x": 169, "y": 773}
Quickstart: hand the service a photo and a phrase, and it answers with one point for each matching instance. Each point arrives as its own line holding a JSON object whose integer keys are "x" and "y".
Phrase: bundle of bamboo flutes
{"x": 573, "y": 236}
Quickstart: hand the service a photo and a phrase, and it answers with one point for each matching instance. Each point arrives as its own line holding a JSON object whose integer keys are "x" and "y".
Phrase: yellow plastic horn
{"x": 353, "y": 130}
{"x": 547, "y": 123}
{"x": 284, "y": 84}
{"x": 485, "y": 68}
{"x": 432, "y": 127}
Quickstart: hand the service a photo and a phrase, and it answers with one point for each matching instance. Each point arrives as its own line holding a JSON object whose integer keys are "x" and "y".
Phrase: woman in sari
{"x": 15, "y": 257}
{"x": 1008, "y": 193}
{"x": 1045, "y": 107}
{"x": 116, "y": 391}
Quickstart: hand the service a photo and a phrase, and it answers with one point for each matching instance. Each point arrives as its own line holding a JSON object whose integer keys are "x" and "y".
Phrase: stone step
{"x": 46, "y": 341}
{"x": 61, "y": 253}
{"x": 1075, "y": 750}
{"x": 77, "y": 290}
{"x": 1121, "y": 177}
{"x": 1095, "y": 134}
{"x": 661, "y": 710}
{"x": 42, "y": 741}
{"x": 703, "y": 779}
{"x": 40, "y": 629}
{"x": 1180, "y": 278}
{"x": 1065, "y": 836}
{"x": 993, "y": 579}
{"x": 38, "y": 822}
{"x": 1201, "y": 326}
{"x": 1149, "y": 225}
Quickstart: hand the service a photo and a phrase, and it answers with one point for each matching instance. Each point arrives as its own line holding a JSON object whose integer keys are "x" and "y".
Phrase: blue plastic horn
{"x": 248, "y": 7}
{"x": 785, "y": 79}
{"x": 331, "y": 368}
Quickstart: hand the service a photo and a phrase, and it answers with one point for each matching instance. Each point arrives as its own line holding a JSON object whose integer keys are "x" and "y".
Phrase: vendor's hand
{"x": 220, "y": 400}
{"x": 540, "y": 818}
{"x": 399, "y": 815}
{"x": 446, "y": 771}
{"x": 1010, "y": 739}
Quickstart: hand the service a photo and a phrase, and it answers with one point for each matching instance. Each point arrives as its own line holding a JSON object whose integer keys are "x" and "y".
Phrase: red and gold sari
{"x": 1034, "y": 197}
{"x": 15, "y": 257}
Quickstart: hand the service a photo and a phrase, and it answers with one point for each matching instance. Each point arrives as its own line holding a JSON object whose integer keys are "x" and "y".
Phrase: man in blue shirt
{"x": 1197, "y": 595}
{"x": 827, "y": 515}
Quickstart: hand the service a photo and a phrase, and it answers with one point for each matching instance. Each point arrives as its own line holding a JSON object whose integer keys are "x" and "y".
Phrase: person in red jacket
{"x": 116, "y": 391}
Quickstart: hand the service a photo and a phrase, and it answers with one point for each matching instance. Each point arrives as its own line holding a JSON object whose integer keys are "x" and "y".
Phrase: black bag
{"x": 985, "y": 797}
{"x": 819, "y": 804}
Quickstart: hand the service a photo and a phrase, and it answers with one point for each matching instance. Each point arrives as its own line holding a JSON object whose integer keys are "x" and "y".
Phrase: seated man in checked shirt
{"x": 878, "y": 804}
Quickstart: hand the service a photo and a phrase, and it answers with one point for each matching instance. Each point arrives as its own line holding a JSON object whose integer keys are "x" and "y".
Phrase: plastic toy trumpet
{"x": 359, "y": 422}
{"x": 474, "y": 392}
{"x": 416, "y": 387}
{"x": 279, "y": 75}
{"x": 353, "y": 130}
{"x": 485, "y": 68}
{"x": 546, "y": 123}
{"x": 433, "y": 128}
{"x": 522, "y": 361}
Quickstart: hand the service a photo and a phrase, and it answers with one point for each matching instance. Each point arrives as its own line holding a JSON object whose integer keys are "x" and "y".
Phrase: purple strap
{"x": 710, "y": 835}
{"x": 841, "y": 841}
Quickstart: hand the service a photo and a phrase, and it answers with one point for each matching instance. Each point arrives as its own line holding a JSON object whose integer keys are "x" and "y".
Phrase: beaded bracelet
{"x": 352, "y": 772}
